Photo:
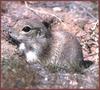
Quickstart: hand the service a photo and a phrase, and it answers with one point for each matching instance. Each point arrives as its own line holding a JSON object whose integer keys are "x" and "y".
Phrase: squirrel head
{"x": 31, "y": 37}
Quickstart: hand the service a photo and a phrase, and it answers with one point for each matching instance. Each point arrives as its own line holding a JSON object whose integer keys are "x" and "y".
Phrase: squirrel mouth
{"x": 13, "y": 38}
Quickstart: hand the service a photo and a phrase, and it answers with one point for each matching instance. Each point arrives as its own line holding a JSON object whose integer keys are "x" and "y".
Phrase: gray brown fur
{"x": 53, "y": 47}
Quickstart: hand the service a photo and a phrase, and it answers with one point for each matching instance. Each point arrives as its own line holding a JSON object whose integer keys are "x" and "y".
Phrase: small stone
{"x": 58, "y": 9}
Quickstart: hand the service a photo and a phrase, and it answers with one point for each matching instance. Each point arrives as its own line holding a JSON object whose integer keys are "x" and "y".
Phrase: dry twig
{"x": 43, "y": 12}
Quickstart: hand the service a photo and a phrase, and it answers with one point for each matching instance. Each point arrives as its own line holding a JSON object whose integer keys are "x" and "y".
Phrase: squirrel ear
{"x": 46, "y": 24}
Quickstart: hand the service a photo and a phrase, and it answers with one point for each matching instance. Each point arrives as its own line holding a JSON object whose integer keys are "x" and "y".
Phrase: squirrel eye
{"x": 26, "y": 29}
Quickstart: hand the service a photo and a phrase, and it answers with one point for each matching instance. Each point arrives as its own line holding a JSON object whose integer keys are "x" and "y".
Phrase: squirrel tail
{"x": 86, "y": 63}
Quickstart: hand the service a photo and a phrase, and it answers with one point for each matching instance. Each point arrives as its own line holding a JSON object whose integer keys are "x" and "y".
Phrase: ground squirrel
{"x": 38, "y": 43}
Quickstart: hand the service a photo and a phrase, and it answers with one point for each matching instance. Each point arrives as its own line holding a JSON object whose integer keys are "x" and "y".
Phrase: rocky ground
{"x": 78, "y": 18}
